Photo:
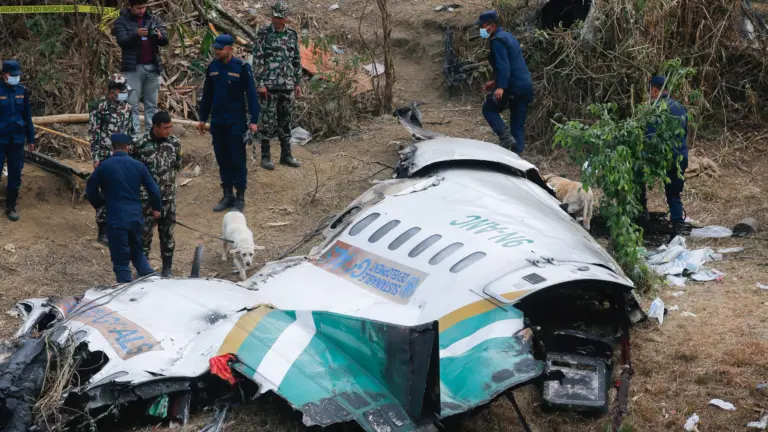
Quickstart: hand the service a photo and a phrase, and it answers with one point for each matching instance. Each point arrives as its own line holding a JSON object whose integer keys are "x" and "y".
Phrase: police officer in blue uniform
{"x": 512, "y": 87}
{"x": 673, "y": 189}
{"x": 16, "y": 129}
{"x": 228, "y": 85}
{"x": 119, "y": 179}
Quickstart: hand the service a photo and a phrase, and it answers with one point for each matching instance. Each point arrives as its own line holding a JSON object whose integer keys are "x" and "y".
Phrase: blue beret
{"x": 658, "y": 81}
{"x": 223, "y": 40}
{"x": 489, "y": 15}
{"x": 121, "y": 139}
{"x": 11, "y": 67}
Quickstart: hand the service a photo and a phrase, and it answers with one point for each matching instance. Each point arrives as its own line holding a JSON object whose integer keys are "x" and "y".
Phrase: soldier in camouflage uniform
{"x": 277, "y": 69}
{"x": 109, "y": 115}
{"x": 160, "y": 152}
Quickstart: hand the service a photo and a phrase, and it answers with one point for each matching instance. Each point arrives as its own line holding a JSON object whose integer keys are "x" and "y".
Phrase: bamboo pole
{"x": 83, "y": 118}
{"x": 75, "y": 139}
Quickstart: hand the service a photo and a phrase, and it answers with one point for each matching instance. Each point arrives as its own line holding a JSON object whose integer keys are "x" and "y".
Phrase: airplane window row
{"x": 425, "y": 244}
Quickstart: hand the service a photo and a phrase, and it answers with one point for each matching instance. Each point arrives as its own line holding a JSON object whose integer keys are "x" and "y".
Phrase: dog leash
{"x": 203, "y": 233}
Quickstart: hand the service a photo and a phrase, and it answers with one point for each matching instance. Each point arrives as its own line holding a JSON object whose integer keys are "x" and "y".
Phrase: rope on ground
{"x": 317, "y": 230}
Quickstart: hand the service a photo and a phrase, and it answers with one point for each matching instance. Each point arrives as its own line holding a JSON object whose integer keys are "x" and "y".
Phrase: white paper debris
{"x": 762, "y": 424}
{"x": 333, "y": 7}
{"x": 762, "y": 286}
{"x": 673, "y": 308}
{"x": 675, "y": 281}
{"x": 730, "y": 250}
{"x": 707, "y": 274}
{"x": 688, "y": 314}
{"x": 656, "y": 310}
{"x": 722, "y": 404}
{"x": 677, "y": 293}
{"x": 300, "y": 136}
{"x": 374, "y": 69}
{"x": 10, "y": 248}
{"x": 712, "y": 231}
{"x": 676, "y": 260}
{"x": 690, "y": 424}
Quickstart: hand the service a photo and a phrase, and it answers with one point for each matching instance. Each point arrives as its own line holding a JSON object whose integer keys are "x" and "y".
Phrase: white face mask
{"x": 122, "y": 97}
{"x": 13, "y": 80}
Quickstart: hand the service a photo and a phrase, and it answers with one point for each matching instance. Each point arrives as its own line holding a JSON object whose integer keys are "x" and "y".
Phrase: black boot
{"x": 285, "y": 155}
{"x": 102, "y": 236}
{"x": 226, "y": 202}
{"x": 167, "y": 264}
{"x": 10, "y": 205}
{"x": 240, "y": 200}
{"x": 507, "y": 141}
{"x": 266, "y": 161}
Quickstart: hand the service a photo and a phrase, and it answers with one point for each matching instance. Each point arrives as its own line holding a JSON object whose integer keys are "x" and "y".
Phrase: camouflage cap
{"x": 118, "y": 81}
{"x": 280, "y": 9}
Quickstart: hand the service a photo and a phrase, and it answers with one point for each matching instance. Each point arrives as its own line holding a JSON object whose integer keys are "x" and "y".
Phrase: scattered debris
{"x": 276, "y": 224}
{"x": 690, "y": 424}
{"x": 159, "y": 408}
{"x": 688, "y": 314}
{"x": 217, "y": 423}
{"x": 448, "y": 7}
{"x": 186, "y": 182}
{"x": 197, "y": 171}
{"x": 656, "y": 310}
{"x": 762, "y": 424}
{"x": 747, "y": 226}
{"x": 10, "y": 248}
{"x": 762, "y": 386}
{"x": 673, "y": 308}
{"x": 722, "y": 404}
{"x": 675, "y": 259}
{"x": 333, "y": 7}
{"x": 675, "y": 281}
{"x": 730, "y": 250}
{"x": 374, "y": 69}
{"x": 762, "y": 286}
{"x": 712, "y": 231}
{"x": 677, "y": 293}
{"x": 300, "y": 136}
{"x": 706, "y": 275}
{"x": 337, "y": 50}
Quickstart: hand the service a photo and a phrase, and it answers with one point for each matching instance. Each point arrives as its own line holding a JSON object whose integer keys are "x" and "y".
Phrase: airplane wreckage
{"x": 433, "y": 293}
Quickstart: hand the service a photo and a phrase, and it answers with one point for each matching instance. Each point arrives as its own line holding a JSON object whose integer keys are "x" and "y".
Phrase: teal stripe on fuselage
{"x": 261, "y": 339}
{"x": 467, "y": 327}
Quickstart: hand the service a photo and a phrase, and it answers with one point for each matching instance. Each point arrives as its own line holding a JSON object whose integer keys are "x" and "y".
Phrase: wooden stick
{"x": 77, "y": 140}
{"x": 83, "y": 118}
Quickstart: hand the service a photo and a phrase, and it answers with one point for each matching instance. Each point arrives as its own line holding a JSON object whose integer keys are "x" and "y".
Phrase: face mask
{"x": 122, "y": 97}
{"x": 484, "y": 33}
{"x": 13, "y": 80}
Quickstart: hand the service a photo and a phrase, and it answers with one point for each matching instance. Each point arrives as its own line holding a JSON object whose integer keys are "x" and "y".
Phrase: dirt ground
{"x": 722, "y": 352}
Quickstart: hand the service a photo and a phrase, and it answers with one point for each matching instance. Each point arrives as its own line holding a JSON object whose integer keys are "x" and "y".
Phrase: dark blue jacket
{"x": 677, "y": 110}
{"x": 226, "y": 88}
{"x": 506, "y": 59}
{"x": 120, "y": 179}
{"x": 15, "y": 115}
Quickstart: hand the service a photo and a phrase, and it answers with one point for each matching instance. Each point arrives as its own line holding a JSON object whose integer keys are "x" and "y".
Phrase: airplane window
{"x": 363, "y": 224}
{"x": 445, "y": 253}
{"x": 404, "y": 237}
{"x": 467, "y": 261}
{"x": 424, "y": 245}
{"x": 384, "y": 230}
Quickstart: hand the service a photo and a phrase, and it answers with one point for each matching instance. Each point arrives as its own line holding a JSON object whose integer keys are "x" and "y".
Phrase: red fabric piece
{"x": 220, "y": 367}
{"x": 146, "y": 56}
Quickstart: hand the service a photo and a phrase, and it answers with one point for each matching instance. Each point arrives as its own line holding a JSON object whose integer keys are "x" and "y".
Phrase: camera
{"x": 151, "y": 28}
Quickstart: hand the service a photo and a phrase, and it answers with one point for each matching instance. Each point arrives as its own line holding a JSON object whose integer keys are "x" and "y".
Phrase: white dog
{"x": 572, "y": 193}
{"x": 242, "y": 248}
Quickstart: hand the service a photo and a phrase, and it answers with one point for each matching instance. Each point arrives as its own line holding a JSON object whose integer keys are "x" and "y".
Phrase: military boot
{"x": 240, "y": 200}
{"x": 285, "y": 155}
{"x": 226, "y": 202}
{"x": 102, "y": 236}
{"x": 507, "y": 141}
{"x": 10, "y": 205}
{"x": 167, "y": 264}
{"x": 266, "y": 161}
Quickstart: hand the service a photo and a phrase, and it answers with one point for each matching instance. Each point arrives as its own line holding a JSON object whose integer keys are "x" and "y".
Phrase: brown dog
{"x": 571, "y": 193}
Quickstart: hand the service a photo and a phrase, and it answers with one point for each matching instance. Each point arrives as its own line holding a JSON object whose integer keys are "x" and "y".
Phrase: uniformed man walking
{"x": 160, "y": 152}
{"x": 109, "y": 115}
{"x": 16, "y": 129}
{"x": 116, "y": 183}
{"x": 277, "y": 65}
{"x": 228, "y": 84}
{"x": 512, "y": 87}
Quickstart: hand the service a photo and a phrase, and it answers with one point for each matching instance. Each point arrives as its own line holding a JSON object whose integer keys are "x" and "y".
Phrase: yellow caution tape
{"x": 106, "y": 13}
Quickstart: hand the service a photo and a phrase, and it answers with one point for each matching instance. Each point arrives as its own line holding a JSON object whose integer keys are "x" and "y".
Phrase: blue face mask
{"x": 13, "y": 80}
{"x": 484, "y": 33}
{"x": 122, "y": 97}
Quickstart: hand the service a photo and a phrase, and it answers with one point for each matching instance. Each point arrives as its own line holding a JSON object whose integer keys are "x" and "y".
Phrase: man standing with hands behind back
{"x": 228, "y": 84}
{"x": 277, "y": 65}
{"x": 140, "y": 34}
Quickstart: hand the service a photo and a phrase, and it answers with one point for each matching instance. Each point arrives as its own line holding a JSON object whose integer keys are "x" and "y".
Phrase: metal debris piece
{"x": 690, "y": 424}
{"x": 722, "y": 404}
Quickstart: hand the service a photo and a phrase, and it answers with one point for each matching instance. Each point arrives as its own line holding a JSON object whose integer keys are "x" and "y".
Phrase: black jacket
{"x": 125, "y": 31}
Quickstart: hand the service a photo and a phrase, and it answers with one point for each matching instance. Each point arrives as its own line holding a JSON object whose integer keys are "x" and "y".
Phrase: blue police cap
{"x": 658, "y": 81}
{"x": 487, "y": 16}
{"x": 11, "y": 67}
{"x": 223, "y": 40}
{"x": 121, "y": 139}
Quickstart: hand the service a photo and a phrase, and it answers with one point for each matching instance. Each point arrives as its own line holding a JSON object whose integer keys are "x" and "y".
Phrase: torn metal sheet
{"x": 412, "y": 310}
